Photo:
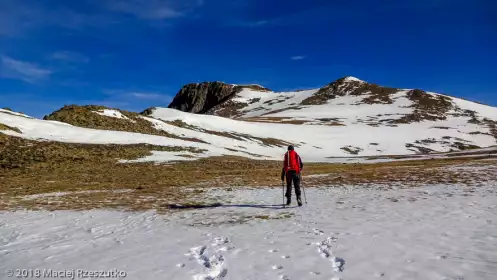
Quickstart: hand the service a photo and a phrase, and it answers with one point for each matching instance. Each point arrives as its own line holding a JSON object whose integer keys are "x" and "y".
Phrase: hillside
{"x": 348, "y": 117}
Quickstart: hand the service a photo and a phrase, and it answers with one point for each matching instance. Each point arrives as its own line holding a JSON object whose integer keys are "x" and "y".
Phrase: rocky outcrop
{"x": 207, "y": 97}
{"x": 199, "y": 98}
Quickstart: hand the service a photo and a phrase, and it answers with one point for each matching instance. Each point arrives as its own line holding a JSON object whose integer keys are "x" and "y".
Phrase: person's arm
{"x": 301, "y": 163}
{"x": 283, "y": 174}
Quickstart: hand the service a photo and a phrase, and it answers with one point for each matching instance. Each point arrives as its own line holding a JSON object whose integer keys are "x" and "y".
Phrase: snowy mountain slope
{"x": 348, "y": 117}
{"x": 35, "y": 129}
{"x": 354, "y": 117}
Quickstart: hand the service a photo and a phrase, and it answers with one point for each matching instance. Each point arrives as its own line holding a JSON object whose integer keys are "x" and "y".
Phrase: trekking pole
{"x": 303, "y": 187}
{"x": 283, "y": 188}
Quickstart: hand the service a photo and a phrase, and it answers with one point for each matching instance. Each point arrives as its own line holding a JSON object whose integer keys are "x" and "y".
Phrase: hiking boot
{"x": 288, "y": 201}
{"x": 299, "y": 201}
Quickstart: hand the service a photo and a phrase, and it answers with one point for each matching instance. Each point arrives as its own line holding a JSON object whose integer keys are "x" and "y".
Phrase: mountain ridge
{"x": 347, "y": 117}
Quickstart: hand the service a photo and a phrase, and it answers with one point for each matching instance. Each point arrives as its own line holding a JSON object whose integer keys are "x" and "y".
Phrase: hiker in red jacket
{"x": 292, "y": 166}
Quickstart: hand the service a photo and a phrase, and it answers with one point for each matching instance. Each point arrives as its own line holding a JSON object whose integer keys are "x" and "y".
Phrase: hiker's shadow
{"x": 220, "y": 205}
{"x": 274, "y": 206}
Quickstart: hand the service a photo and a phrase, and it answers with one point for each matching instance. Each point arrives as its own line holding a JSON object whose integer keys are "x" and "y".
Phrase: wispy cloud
{"x": 298, "y": 57}
{"x": 148, "y": 95}
{"x": 134, "y": 100}
{"x": 18, "y": 18}
{"x": 136, "y": 95}
{"x": 153, "y": 9}
{"x": 70, "y": 56}
{"x": 253, "y": 24}
{"x": 21, "y": 70}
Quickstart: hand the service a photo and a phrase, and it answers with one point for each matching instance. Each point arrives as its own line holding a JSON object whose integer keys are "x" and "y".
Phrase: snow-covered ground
{"x": 112, "y": 114}
{"x": 433, "y": 232}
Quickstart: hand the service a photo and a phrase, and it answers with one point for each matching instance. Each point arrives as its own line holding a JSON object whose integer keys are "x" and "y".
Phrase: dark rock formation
{"x": 207, "y": 96}
{"x": 199, "y": 98}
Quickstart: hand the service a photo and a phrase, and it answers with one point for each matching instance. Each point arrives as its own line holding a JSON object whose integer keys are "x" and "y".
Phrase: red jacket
{"x": 292, "y": 161}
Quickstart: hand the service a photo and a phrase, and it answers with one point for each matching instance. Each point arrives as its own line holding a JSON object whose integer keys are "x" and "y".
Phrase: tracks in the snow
{"x": 325, "y": 250}
{"x": 211, "y": 259}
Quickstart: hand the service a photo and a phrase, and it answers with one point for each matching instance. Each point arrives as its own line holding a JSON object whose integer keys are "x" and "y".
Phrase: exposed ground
{"x": 89, "y": 117}
{"x": 51, "y": 175}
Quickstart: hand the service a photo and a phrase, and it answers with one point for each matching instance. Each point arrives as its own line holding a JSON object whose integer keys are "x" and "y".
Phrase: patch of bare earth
{"x": 282, "y": 110}
{"x": 86, "y": 116}
{"x": 6, "y": 127}
{"x": 281, "y": 120}
{"x": 13, "y": 113}
{"x": 492, "y": 126}
{"x": 373, "y": 94}
{"x": 455, "y": 143}
{"x": 426, "y": 107}
{"x": 352, "y": 150}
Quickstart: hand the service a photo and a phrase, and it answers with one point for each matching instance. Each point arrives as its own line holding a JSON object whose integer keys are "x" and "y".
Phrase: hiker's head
{"x": 290, "y": 148}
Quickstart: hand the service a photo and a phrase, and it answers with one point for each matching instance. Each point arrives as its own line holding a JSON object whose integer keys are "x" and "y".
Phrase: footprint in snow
{"x": 220, "y": 241}
{"x": 317, "y": 231}
{"x": 10, "y": 237}
{"x": 324, "y": 249}
{"x": 277, "y": 267}
{"x": 272, "y": 250}
{"x": 214, "y": 265}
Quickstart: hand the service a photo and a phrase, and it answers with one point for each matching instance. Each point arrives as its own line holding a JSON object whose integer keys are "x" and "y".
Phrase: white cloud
{"x": 297, "y": 57}
{"x": 20, "y": 70}
{"x": 69, "y": 56}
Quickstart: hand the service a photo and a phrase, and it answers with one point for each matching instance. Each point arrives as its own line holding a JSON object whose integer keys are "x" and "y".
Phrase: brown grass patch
{"x": 12, "y": 113}
{"x": 6, "y": 127}
{"x": 76, "y": 168}
{"x": 20, "y": 153}
{"x": 280, "y": 120}
{"x": 227, "y": 109}
{"x": 374, "y": 94}
{"x": 419, "y": 149}
{"x": 282, "y": 110}
{"x": 85, "y": 116}
{"x": 426, "y": 107}
{"x": 492, "y": 125}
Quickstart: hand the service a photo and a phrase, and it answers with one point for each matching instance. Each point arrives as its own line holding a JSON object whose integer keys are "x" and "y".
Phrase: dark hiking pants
{"x": 292, "y": 176}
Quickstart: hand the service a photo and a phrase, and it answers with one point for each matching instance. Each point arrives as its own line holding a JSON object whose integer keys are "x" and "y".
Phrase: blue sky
{"x": 134, "y": 54}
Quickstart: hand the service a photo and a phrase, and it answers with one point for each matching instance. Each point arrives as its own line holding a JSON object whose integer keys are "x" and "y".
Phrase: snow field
{"x": 432, "y": 232}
